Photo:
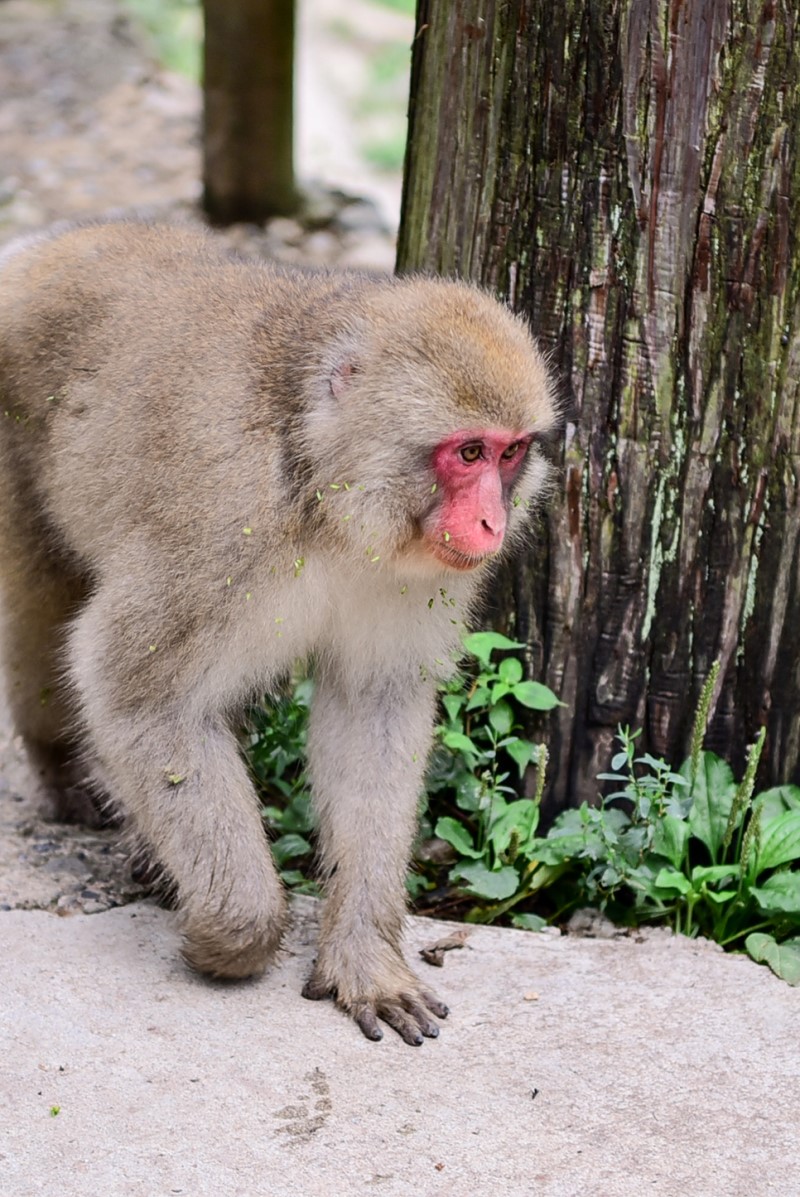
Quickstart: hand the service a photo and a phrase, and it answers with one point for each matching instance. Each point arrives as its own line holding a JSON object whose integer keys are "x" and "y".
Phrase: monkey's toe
{"x": 407, "y": 1013}
{"x": 434, "y": 1005}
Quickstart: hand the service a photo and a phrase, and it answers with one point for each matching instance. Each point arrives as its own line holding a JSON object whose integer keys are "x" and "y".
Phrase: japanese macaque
{"x": 210, "y": 468}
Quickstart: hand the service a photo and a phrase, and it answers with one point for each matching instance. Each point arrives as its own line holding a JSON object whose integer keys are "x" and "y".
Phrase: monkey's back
{"x": 126, "y": 343}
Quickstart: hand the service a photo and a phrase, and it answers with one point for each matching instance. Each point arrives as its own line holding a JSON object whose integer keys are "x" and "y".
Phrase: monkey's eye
{"x": 512, "y": 450}
{"x": 470, "y": 453}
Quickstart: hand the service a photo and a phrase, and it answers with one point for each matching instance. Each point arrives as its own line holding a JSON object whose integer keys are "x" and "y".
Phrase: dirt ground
{"x": 90, "y": 123}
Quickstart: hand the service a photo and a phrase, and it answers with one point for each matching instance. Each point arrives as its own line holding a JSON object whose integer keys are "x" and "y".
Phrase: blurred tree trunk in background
{"x": 627, "y": 173}
{"x": 248, "y": 68}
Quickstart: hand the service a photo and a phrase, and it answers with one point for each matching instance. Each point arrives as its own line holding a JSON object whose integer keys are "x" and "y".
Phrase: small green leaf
{"x": 288, "y": 847}
{"x": 457, "y": 835}
{"x": 486, "y": 883}
{"x": 535, "y": 696}
{"x": 479, "y": 698}
{"x": 523, "y": 753}
{"x": 483, "y": 644}
{"x": 453, "y": 703}
{"x": 782, "y": 958}
{"x": 780, "y": 841}
{"x": 293, "y": 877}
{"x": 501, "y": 717}
{"x": 510, "y": 670}
{"x": 458, "y": 742}
{"x": 721, "y": 896}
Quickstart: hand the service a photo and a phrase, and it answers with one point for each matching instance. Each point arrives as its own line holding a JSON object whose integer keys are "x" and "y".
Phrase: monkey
{"x": 211, "y": 468}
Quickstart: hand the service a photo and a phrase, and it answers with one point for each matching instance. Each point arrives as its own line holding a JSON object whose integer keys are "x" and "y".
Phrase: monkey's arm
{"x": 367, "y": 750}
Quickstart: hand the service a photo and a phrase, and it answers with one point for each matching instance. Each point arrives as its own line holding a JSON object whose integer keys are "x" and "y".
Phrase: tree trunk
{"x": 248, "y": 61}
{"x": 627, "y": 173}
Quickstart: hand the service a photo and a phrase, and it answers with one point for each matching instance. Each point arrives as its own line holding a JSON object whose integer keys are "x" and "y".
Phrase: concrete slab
{"x": 568, "y": 1066}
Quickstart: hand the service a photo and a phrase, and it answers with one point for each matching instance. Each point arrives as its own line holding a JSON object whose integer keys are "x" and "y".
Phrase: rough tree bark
{"x": 248, "y": 120}
{"x": 627, "y": 172}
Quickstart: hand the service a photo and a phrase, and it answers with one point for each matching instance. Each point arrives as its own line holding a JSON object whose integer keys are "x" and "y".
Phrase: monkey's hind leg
{"x": 39, "y": 593}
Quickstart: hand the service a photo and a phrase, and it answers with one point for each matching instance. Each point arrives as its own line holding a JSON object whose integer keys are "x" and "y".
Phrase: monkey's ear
{"x": 342, "y": 375}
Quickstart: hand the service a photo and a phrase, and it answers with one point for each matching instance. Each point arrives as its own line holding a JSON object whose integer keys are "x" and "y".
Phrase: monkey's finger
{"x": 434, "y": 1005}
{"x": 420, "y": 1015}
{"x": 367, "y": 1020}
{"x": 405, "y": 1025}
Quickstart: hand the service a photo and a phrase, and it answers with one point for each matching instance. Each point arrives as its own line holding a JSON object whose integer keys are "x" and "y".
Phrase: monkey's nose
{"x": 491, "y": 533}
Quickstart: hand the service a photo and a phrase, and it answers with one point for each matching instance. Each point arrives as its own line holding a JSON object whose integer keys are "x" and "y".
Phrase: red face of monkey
{"x": 475, "y": 473}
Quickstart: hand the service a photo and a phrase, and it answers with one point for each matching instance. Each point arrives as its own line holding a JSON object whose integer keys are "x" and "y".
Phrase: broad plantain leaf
{"x": 486, "y": 883}
{"x": 669, "y": 838}
{"x": 522, "y": 816}
{"x": 701, "y": 873}
{"x": 780, "y": 894}
{"x": 713, "y": 793}
{"x": 528, "y": 922}
{"x": 780, "y": 841}
{"x": 782, "y": 958}
{"x": 777, "y": 800}
{"x": 670, "y": 879}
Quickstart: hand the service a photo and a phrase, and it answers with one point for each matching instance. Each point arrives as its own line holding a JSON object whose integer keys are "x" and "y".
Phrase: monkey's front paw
{"x": 406, "y": 1009}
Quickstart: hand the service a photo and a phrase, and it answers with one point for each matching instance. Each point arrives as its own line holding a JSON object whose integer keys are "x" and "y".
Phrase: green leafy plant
{"x": 275, "y": 745}
{"x": 695, "y": 849}
{"x": 479, "y": 747}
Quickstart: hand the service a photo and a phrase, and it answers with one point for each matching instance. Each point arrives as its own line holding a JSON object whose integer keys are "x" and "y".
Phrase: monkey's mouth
{"x": 454, "y": 559}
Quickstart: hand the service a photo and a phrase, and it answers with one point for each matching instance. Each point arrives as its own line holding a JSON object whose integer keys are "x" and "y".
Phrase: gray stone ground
{"x": 609, "y": 1067}
{"x": 568, "y": 1066}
